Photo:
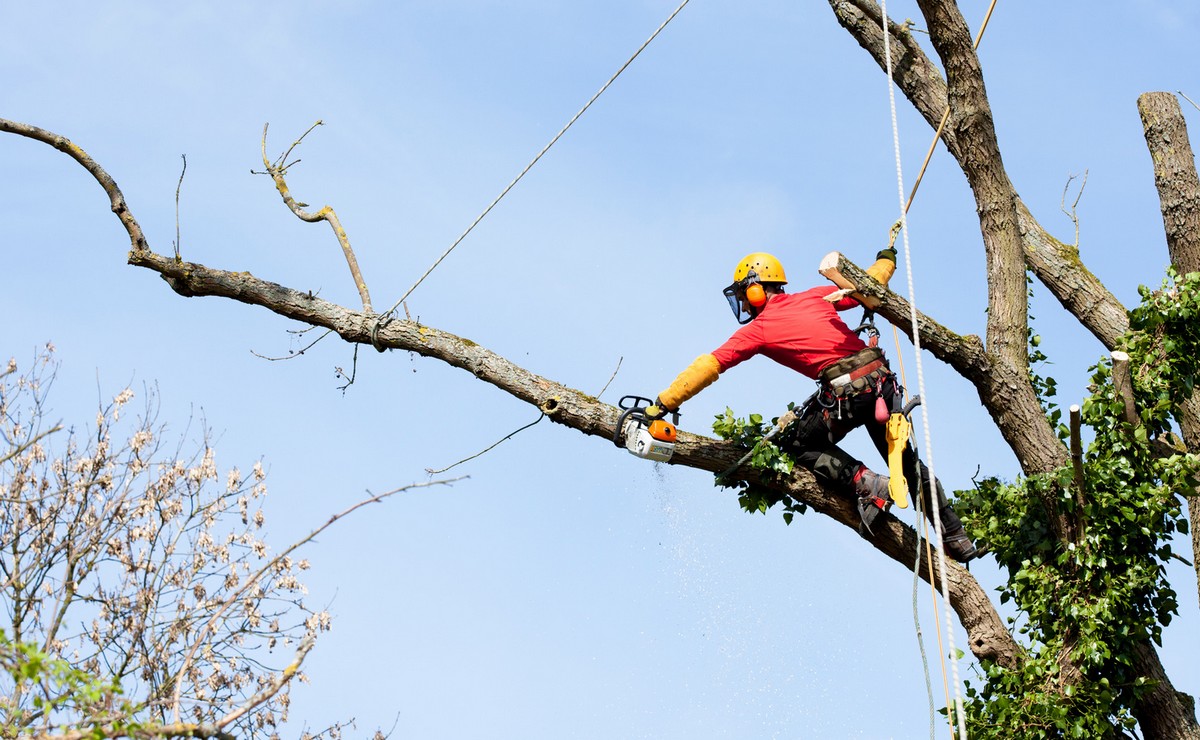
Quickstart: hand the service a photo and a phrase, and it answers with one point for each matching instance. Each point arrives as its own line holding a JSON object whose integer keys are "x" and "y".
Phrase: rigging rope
{"x": 529, "y": 166}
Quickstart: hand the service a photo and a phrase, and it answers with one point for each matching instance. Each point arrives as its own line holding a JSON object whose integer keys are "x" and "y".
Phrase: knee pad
{"x": 837, "y": 467}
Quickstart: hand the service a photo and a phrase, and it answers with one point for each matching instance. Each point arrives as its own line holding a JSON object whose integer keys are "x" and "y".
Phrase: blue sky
{"x": 565, "y": 589}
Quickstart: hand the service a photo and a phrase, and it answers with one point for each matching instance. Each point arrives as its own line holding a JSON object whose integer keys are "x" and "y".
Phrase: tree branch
{"x": 564, "y": 405}
{"x": 278, "y": 170}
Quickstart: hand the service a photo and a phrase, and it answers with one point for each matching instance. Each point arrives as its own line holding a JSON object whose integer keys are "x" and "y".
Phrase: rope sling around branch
{"x": 384, "y": 316}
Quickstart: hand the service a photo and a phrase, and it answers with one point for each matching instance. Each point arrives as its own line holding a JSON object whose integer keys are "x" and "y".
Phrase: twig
{"x": 613, "y": 377}
{"x": 284, "y": 677}
{"x": 178, "y": 187}
{"x": 1182, "y": 559}
{"x": 486, "y": 450}
{"x": 27, "y": 444}
{"x": 1063, "y": 203}
{"x": 353, "y": 372}
{"x": 254, "y": 579}
{"x": 293, "y": 355}
{"x": 277, "y": 170}
{"x": 1197, "y": 107}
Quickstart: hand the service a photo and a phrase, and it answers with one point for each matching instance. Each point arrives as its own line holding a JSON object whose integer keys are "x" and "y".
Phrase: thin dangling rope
{"x": 923, "y": 544}
{"x": 916, "y": 336}
{"x": 529, "y": 166}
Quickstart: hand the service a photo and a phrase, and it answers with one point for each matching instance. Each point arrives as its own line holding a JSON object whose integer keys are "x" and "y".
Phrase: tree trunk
{"x": 1179, "y": 196}
{"x": 1163, "y": 713}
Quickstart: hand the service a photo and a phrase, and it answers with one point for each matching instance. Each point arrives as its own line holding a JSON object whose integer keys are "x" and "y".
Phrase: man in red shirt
{"x": 804, "y": 332}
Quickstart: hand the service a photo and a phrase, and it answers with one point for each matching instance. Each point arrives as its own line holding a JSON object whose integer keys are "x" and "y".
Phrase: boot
{"x": 872, "y": 491}
{"x": 955, "y": 541}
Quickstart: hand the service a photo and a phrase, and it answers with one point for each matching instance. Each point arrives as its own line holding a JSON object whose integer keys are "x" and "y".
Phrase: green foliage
{"x": 766, "y": 457}
{"x": 57, "y": 687}
{"x": 1084, "y": 606}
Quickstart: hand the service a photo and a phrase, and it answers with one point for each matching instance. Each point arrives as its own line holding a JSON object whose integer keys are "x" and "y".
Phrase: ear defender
{"x": 755, "y": 295}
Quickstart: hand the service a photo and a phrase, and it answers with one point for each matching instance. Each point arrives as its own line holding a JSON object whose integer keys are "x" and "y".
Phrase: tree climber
{"x": 804, "y": 332}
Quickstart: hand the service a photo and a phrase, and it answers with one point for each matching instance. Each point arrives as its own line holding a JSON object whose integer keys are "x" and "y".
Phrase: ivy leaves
{"x": 764, "y": 456}
{"x": 1086, "y": 605}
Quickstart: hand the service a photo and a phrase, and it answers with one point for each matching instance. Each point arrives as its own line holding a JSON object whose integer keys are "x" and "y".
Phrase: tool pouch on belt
{"x": 858, "y": 373}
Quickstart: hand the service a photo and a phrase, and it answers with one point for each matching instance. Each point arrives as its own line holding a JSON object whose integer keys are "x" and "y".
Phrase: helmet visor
{"x": 736, "y": 294}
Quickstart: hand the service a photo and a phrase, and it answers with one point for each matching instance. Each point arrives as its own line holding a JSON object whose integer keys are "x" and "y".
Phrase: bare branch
{"x": 278, "y": 170}
{"x": 294, "y": 355}
{"x": 178, "y": 187}
{"x": 1072, "y": 214}
{"x": 116, "y": 198}
{"x": 202, "y": 637}
{"x": 486, "y": 449}
{"x": 616, "y": 370}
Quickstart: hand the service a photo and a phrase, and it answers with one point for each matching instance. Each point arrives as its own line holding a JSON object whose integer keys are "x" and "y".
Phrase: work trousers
{"x": 812, "y": 442}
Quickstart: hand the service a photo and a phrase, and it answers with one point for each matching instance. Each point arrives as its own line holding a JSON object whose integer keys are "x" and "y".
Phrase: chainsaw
{"x": 652, "y": 439}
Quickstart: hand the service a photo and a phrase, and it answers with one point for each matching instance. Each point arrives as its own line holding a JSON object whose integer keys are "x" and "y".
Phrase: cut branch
{"x": 1123, "y": 385}
{"x": 1077, "y": 465}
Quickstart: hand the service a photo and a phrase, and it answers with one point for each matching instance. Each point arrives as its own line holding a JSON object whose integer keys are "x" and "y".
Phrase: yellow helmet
{"x": 765, "y": 267}
{"x": 750, "y": 272}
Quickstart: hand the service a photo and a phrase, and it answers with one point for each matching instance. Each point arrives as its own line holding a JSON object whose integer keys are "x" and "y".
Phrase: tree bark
{"x": 1179, "y": 197}
{"x": 986, "y": 632}
{"x": 1057, "y": 265}
{"x": 1011, "y": 237}
{"x": 998, "y": 367}
{"x": 1163, "y": 712}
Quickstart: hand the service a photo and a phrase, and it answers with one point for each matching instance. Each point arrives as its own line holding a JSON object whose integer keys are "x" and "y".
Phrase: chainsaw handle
{"x": 633, "y": 405}
{"x": 634, "y": 402}
{"x": 621, "y": 424}
{"x": 640, "y": 404}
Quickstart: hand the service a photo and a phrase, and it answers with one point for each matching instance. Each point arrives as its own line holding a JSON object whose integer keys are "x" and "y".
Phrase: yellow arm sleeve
{"x": 698, "y": 376}
{"x": 885, "y": 266}
{"x": 882, "y": 271}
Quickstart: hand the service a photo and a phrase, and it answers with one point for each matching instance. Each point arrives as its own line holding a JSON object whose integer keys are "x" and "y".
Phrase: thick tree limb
{"x": 1163, "y": 712}
{"x": 980, "y": 161}
{"x": 1057, "y": 265}
{"x": 1004, "y": 390}
{"x": 1060, "y": 268}
{"x": 1179, "y": 197}
{"x": 570, "y": 407}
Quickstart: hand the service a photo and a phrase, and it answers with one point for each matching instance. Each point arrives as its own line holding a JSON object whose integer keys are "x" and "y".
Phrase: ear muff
{"x": 755, "y": 295}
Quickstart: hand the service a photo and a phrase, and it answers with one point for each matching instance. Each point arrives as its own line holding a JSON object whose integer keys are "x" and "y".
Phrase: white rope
{"x": 534, "y": 161}
{"x": 916, "y": 337}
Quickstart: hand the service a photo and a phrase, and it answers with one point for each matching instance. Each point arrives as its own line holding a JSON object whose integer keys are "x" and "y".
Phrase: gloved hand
{"x": 656, "y": 410}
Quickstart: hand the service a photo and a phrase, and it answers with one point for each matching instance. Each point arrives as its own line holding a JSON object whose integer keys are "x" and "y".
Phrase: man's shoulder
{"x": 817, "y": 292}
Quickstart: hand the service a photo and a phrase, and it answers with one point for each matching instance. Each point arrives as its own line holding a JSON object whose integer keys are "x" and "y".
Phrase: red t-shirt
{"x": 798, "y": 330}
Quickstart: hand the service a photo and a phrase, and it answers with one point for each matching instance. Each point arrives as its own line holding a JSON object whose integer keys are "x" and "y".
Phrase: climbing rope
{"x": 382, "y": 317}
{"x": 925, "y": 416}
